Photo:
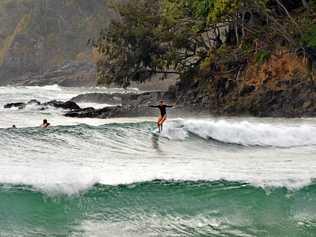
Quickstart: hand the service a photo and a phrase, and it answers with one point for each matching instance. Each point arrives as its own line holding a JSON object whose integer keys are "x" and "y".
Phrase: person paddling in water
{"x": 163, "y": 113}
{"x": 45, "y": 124}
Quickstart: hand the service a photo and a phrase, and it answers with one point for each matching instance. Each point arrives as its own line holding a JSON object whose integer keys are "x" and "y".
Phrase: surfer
{"x": 163, "y": 113}
{"x": 45, "y": 124}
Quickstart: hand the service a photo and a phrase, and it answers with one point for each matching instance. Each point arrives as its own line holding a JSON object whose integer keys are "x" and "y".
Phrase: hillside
{"x": 253, "y": 57}
{"x": 38, "y": 37}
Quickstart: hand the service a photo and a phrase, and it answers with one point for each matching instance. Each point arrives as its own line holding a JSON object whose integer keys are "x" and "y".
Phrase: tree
{"x": 130, "y": 49}
{"x": 147, "y": 38}
{"x": 178, "y": 36}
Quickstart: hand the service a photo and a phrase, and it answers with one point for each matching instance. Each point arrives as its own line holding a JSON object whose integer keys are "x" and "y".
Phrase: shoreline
{"x": 133, "y": 104}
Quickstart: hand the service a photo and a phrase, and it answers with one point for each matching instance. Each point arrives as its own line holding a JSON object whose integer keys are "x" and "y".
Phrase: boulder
{"x": 133, "y": 99}
{"x": 63, "y": 105}
{"x": 101, "y": 98}
{"x": 113, "y": 112}
{"x": 33, "y": 102}
{"x": 90, "y": 112}
{"x": 19, "y": 105}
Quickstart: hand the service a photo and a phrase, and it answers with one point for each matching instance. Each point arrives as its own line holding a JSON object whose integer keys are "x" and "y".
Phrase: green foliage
{"x": 262, "y": 56}
{"x": 183, "y": 9}
{"x": 160, "y": 36}
{"x": 206, "y": 63}
{"x": 223, "y": 9}
{"x": 128, "y": 44}
{"x": 309, "y": 37}
{"x": 148, "y": 38}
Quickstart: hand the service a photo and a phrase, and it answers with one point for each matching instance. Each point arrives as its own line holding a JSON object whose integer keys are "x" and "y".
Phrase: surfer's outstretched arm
{"x": 163, "y": 114}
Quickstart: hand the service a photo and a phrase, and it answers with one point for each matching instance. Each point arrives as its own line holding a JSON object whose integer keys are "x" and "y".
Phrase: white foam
{"x": 53, "y": 87}
{"x": 64, "y": 163}
{"x": 71, "y": 172}
{"x": 94, "y": 105}
{"x": 246, "y": 133}
{"x": 68, "y": 164}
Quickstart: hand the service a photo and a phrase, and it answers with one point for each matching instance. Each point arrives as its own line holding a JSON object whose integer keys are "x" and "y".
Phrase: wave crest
{"x": 244, "y": 133}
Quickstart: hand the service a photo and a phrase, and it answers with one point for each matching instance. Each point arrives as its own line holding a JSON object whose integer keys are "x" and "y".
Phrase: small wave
{"x": 54, "y": 87}
{"x": 80, "y": 184}
{"x": 72, "y": 159}
{"x": 224, "y": 132}
{"x": 164, "y": 208}
{"x": 95, "y": 187}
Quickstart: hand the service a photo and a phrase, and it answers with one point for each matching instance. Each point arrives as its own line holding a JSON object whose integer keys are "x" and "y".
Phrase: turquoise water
{"x": 160, "y": 208}
{"x": 200, "y": 177}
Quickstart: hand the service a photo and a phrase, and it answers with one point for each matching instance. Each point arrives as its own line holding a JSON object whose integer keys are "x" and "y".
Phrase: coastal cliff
{"x": 283, "y": 86}
{"x": 40, "y": 37}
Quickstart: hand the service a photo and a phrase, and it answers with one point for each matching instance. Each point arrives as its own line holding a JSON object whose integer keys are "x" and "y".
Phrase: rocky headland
{"x": 119, "y": 105}
{"x": 270, "y": 74}
{"x": 295, "y": 97}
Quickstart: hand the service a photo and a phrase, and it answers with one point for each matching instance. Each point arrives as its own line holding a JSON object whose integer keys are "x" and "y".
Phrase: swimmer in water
{"x": 45, "y": 124}
{"x": 163, "y": 113}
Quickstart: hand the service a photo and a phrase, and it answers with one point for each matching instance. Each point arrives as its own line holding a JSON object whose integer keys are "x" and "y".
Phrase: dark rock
{"x": 102, "y": 98}
{"x": 82, "y": 113}
{"x": 118, "y": 111}
{"x": 36, "y": 102}
{"x": 63, "y": 105}
{"x": 133, "y": 99}
{"x": 19, "y": 105}
{"x": 111, "y": 111}
{"x": 70, "y": 105}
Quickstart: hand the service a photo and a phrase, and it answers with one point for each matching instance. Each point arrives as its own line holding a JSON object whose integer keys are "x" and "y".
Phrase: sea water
{"x": 211, "y": 176}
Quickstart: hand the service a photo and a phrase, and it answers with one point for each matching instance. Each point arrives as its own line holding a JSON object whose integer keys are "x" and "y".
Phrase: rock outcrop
{"x": 283, "y": 86}
{"x": 113, "y": 112}
{"x": 19, "y": 105}
{"x": 127, "y": 105}
{"x": 68, "y": 105}
{"x": 132, "y": 99}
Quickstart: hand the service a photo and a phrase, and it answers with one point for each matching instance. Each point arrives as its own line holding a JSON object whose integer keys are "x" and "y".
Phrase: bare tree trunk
{"x": 236, "y": 29}
{"x": 243, "y": 25}
{"x": 286, "y": 11}
{"x": 289, "y": 16}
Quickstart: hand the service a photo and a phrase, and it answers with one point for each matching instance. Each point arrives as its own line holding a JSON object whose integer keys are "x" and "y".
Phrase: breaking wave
{"x": 244, "y": 133}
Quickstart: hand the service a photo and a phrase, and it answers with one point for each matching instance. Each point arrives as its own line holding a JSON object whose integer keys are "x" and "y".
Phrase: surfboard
{"x": 155, "y": 132}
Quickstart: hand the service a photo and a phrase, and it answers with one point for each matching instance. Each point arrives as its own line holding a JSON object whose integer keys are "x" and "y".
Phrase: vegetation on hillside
{"x": 208, "y": 38}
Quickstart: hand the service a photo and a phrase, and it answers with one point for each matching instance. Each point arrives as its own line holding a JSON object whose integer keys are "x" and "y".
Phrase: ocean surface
{"x": 203, "y": 176}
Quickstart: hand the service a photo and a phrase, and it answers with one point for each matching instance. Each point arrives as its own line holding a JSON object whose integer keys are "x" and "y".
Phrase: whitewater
{"x": 203, "y": 176}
